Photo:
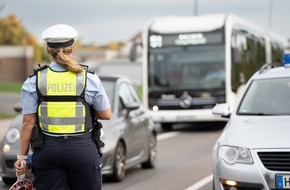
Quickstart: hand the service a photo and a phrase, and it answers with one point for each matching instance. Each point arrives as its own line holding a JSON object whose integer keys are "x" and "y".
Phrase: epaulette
{"x": 39, "y": 68}
{"x": 86, "y": 67}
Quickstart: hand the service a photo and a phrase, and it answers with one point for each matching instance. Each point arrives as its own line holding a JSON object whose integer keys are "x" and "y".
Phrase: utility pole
{"x": 195, "y": 7}
{"x": 270, "y": 14}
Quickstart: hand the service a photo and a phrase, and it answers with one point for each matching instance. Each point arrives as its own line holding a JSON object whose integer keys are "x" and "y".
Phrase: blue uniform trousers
{"x": 67, "y": 164}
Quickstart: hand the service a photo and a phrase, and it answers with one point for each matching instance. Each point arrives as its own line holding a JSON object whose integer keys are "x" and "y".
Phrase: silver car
{"x": 130, "y": 136}
{"x": 253, "y": 151}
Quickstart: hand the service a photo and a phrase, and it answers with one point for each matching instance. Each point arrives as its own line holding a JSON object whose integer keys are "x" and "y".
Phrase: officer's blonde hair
{"x": 61, "y": 55}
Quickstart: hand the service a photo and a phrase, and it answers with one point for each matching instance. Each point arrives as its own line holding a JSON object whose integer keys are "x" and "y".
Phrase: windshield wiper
{"x": 258, "y": 113}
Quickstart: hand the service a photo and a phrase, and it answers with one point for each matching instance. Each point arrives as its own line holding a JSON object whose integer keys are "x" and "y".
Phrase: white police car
{"x": 253, "y": 151}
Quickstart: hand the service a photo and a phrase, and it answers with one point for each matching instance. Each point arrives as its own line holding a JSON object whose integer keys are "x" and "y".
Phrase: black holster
{"x": 36, "y": 138}
{"x": 96, "y": 136}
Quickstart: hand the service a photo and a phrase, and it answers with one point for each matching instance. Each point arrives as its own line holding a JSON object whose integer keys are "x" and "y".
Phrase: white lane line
{"x": 166, "y": 135}
{"x": 200, "y": 183}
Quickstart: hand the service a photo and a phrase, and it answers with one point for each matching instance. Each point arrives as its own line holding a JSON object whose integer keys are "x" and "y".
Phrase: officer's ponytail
{"x": 63, "y": 56}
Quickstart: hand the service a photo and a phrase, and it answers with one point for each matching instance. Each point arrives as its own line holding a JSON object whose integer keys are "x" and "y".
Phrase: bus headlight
{"x": 155, "y": 108}
{"x": 232, "y": 155}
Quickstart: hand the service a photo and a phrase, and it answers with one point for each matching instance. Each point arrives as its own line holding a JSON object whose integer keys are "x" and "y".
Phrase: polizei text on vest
{"x": 63, "y": 87}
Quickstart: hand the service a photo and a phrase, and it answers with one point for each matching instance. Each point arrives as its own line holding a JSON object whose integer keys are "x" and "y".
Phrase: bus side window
{"x": 236, "y": 55}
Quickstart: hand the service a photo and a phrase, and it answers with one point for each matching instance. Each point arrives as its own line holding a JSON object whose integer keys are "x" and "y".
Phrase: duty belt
{"x": 68, "y": 137}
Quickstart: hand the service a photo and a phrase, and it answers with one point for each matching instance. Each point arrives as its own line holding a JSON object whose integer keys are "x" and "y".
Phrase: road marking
{"x": 166, "y": 135}
{"x": 200, "y": 183}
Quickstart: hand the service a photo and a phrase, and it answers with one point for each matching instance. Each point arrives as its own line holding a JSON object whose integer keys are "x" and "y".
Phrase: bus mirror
{"x": 133, "y": 52}
{"x": 236, "y": 55}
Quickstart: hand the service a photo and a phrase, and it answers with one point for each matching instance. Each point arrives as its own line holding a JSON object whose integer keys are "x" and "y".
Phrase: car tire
{"x": 119, "y": 163}
{"x": 152, "y": 153}
{"x": 9, "y": 180}
{"x": 166, "y": 126}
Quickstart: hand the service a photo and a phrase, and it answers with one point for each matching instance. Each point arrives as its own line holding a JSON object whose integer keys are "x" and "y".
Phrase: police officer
{"x": 58, "y": 98}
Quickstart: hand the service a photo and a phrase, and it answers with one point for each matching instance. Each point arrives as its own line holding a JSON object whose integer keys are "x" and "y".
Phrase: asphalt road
{"x": 7, "y": 102}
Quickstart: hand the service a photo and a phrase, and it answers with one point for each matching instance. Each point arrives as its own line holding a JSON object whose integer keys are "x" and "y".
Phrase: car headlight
{"x": 12, "y": 135}
{"x": 6, "y": 148}
{"x": 232, "y": 155}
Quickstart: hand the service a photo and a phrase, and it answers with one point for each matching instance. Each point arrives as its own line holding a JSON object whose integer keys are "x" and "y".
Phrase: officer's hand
{"x": 20, "y": 170}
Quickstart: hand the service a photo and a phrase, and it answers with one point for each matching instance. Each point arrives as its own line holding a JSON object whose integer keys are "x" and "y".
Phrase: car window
{"x": 134, "y": 94}
{"x": 267, "y": 97}
{"x": 109, "y": 88}
{"x": 125, "y": 94}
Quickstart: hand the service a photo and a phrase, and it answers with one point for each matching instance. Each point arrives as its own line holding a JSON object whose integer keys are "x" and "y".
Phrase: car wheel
{"x": 166, "y": 126}
{"x": 119, "y": 163}
{"x": 9, "y": 180}
{"x": 152, "y": 153}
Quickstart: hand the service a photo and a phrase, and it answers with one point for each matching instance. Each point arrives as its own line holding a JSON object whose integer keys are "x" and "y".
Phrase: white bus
{"x": 192, "y": 63}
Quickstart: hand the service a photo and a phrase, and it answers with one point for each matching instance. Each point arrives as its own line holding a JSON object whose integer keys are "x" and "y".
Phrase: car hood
{"x": 259, "y": 132}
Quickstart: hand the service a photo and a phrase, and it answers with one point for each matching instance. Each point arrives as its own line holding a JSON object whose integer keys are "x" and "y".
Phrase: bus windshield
{"x": 200, "y": 67}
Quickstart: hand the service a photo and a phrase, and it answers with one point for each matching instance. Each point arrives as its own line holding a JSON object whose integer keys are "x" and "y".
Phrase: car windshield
{"x": 267, "y": 97}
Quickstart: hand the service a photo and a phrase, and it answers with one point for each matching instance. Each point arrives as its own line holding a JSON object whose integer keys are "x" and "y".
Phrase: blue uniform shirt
{"x": 94, "y": 93}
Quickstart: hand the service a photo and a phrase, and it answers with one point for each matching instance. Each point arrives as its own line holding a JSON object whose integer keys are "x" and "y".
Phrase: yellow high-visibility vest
{"x": 60, "y": 111}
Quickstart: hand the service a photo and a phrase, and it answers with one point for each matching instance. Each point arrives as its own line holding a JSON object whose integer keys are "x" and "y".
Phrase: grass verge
{"x": 10, "y": 87}
{"x": 7, "y": 115}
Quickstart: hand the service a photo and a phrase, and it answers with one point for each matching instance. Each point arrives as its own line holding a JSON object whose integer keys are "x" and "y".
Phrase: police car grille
{"x": 276, "y": 161}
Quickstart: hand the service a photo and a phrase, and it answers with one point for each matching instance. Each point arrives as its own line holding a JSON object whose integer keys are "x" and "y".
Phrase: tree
{"x": 14, "y": 33}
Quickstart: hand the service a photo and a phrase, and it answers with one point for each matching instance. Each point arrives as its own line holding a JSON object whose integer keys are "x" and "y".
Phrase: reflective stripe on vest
{"x": 61, "y": 117}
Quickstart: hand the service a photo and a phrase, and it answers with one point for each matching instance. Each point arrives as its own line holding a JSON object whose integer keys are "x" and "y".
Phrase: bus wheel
{"x": 166, "y": 126}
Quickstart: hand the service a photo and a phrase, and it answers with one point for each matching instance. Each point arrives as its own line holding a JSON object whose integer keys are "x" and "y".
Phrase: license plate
{"x": 184, "y": 118}
{"x": 283, "y": 181}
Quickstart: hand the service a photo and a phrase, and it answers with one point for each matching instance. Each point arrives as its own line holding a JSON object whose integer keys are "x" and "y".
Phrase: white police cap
{"x": 59, "y": 35}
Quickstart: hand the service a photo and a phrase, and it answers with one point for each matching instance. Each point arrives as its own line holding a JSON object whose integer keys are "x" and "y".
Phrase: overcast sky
{"x": 103, "y": 21}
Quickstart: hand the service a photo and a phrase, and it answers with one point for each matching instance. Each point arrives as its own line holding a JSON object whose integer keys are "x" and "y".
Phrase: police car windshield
{"x": 266, "y": 97}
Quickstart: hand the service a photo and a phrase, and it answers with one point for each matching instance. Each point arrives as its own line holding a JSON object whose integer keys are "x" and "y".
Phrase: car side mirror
{"x": 17, "y": 108}
{"x": 222, "y": 110}
{"x": 132, "y": 106}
